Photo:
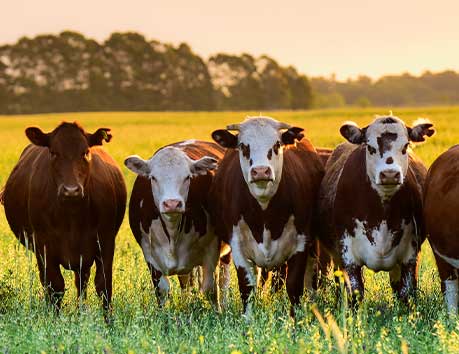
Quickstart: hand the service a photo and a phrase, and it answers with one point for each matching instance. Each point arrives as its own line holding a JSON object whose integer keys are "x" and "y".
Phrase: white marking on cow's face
{"x": 260, "y": 148}
{"x": 378, "y": 254}
{"x": 248, "y": 253}
{"x": 170, "y": 171}
{"x": 451, "y": 295}
{"x": 386, "y": 155}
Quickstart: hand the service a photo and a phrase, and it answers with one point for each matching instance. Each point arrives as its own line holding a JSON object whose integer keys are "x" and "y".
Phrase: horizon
{"x": 347, "y": 40}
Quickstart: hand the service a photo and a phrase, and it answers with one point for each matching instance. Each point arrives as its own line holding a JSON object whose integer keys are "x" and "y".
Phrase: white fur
{"x": 451, "y": 295}
{"x": 375, "y": 164}
{"x": 179, "y": 254}
{"x": 261, "y": 133}
{"x": 248, "y": 253}
{"x": 377, "y": 255}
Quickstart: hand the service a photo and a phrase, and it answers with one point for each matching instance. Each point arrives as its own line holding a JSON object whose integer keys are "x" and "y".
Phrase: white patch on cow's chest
{"x": 179, "y": 254}
{"x": 379, "y": 254}
{"x": 247, "y": 252}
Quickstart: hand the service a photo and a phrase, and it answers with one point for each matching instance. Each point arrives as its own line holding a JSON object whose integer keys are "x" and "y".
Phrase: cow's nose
{"x": 72, "y": 191}
{"x": 172, "y": 205}
{"x": 389, "y": 177}
{"x": 261, "y": 173}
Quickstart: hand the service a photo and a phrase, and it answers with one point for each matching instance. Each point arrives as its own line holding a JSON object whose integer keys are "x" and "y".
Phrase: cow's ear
{"x": 37, "y": 137}
{"x": 138, "y": 165}
{"x": 99, "y": 136}
{"x": 224, "y": 138}
{"x": 420, "y": 131}
{"x": 292, "y": 134}
{"x": 204, "y": 164}
{"x": 352, "y": 133}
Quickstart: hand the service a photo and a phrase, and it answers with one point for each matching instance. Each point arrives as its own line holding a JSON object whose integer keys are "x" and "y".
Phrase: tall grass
{"x": 187, "y": 323}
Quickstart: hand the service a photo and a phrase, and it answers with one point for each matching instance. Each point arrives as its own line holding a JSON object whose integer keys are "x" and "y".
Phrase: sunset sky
{"x": 348, "y": 37}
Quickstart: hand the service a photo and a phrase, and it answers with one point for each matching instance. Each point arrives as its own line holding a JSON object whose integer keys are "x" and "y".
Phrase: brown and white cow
{"x": 371, "y": 203}
{"x": 65, "y": 199}
{"x": 441, "y": 203}
{"x": 263, "y": 198}
{"x": 169, "y": 214}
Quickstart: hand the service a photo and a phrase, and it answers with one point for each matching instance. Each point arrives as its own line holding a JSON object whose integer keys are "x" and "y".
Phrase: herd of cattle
{"x": 262, "y": 195}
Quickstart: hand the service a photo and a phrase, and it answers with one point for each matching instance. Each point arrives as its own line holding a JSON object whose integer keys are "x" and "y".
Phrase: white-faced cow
{"x": 371, "y": 203}
{"x": 263, "y": 197}
{"x": 441, "y": 203}
{"x": 169, "y": 214}
{"x": 65, "y": 199}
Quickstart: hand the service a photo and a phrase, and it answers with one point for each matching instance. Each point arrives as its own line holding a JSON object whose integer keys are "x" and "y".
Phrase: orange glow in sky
{"x": 348, "y": 37}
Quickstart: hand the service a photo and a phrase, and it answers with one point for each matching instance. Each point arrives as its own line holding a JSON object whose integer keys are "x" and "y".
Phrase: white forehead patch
{"x": 169, "y": 158}
{"x": 383, "y": 125}
{"x": 259, "y": 129}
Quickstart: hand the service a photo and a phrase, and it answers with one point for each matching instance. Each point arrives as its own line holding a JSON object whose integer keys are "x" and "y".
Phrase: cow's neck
{"x": 173, "y": 226}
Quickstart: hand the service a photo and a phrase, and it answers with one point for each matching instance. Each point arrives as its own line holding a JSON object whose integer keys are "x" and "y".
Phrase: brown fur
{"x": 73, "y": 234}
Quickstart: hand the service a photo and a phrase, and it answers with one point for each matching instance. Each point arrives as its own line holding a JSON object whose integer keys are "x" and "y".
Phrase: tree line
{"x": 69, "y": 72}
{"x": 127, "y": 72}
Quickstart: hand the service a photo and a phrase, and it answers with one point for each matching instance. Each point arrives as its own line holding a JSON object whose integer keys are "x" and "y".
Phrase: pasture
{"x": 188, "y": 323}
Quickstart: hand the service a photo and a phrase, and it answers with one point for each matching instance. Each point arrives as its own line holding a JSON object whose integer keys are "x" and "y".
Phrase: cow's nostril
{"x": 390, "y": 160}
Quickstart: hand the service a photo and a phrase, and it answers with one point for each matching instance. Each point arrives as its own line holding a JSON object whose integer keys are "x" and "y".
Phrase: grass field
{"x": 187, "y": 323}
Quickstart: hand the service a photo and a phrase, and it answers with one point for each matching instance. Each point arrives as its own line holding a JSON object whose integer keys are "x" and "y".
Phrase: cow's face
{"x": 260, "y": 142}
{"x": 387, "y": 141}
{"x": 170, "y": 171}
{"x": 70, "y": 156}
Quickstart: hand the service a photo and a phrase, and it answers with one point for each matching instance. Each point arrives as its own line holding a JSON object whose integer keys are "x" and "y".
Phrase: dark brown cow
{"x": 371, "y": 203}
{"x": 168, "y": 214}
{"x": 263, "y": 198}
{"x": 440, "y": 212}
{"x": 65, "y": 199}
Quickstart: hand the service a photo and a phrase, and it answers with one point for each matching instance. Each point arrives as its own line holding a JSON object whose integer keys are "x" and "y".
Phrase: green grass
{"x": 187, "y": 323}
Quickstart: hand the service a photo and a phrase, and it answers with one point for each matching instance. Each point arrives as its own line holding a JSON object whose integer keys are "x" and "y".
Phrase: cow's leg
{"x": 247, "y": 280}
{"x": 104, "y": 263}
{"x": 354, "y": 280}
{"x": 160, "y": 283}
{"x": 449, "y": 284}
{"x": 295, "y": 278}
{"x": 224, "y": 278}
{"x": 81, "y": 282}
{"x": 185, "y": 280}
{"x": 52, "y": 280}
{"x": 210, "y": 273}
{"x": 408, "y": 280}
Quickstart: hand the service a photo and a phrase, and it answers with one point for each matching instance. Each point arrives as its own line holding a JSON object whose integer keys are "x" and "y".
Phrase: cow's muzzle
{"x": 71, "y": 191}
{"x": 172, "y": 206}
{"x": 390, "y": 177}
{"x": 261, "y": 174}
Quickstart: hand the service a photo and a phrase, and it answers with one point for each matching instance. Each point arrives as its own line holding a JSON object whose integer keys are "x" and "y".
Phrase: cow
{"x": 440, "y": 202}
{"x": 169, "y": 215}
{"x": 263, "y": 198}
{"x": 371, "y": 203}
{"x": 65, "y": 200}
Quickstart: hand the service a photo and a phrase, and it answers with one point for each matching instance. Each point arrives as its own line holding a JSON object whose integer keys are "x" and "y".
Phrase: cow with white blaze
{"x": 371, "y": 203}
{"x": 169, "y": 214}
{"x": 263, "y": 197}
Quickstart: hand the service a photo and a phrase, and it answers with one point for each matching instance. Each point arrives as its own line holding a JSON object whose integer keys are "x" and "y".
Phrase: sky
{"x": 320, "y": 38}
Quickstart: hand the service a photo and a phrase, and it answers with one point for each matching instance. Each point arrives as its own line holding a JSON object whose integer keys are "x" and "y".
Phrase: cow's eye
{"x": 53, "y": 154}
{"x": 187, "y": 178}
{"x": 371, "y": 149}
{"x": 153, "y": 178}
{"x": 276, "y": 147}
{"x": 405, "y": 148}
{"x": 245, "y": 149}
